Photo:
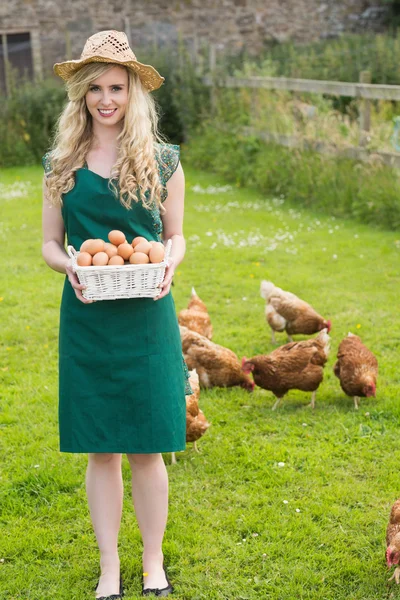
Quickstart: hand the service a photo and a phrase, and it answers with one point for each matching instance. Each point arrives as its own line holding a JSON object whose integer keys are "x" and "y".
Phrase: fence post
{"x": 7, "y": 76}
{"x": 365, "y": 111}
{"x": 211, "y": 67}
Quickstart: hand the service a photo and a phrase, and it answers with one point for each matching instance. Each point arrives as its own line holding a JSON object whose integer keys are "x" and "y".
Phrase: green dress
{"x": 122, "y": 377}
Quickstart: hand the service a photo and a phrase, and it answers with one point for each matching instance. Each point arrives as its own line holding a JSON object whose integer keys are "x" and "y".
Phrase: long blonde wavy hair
{"x": 135, "y": 175}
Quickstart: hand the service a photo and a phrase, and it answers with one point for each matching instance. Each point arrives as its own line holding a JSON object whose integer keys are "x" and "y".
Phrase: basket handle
{"x": 72, "y": 253}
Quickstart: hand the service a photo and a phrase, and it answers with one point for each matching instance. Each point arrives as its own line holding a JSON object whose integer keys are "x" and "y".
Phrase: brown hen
{"x": 393, "y": 540}
{"x": 196, "y": 423}
{"x": 216, "y": 366}
{"x": 294, "y": 366}
{"x": 286, "y": 312}
{"x": 196, "y": 317}
{"x": 356, "y": 368}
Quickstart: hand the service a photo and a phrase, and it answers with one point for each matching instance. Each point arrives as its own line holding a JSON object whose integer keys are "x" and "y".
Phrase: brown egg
{"x": 100, "y": 259}
{"x": 125, "y": 250}
{"x": 84, "y": 259}
{"x": 144, "y": 247}
{"x": 157, "y": 252}
{"x": 116, "y": 260}
{"x": 137, "y": 240}
{"x": 95, "y": 246}
{"x": 85, "y": 244}
{"x": 110, "y": 249}
{"x": 116, "y": 237}
{"x": 139, "y": 258}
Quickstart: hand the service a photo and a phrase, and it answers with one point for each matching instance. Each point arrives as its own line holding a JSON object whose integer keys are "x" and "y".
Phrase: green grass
{"x": 230, "y": 535}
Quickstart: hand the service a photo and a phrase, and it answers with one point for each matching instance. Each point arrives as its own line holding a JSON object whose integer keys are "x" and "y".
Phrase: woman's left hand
{"x": 166, "y": 284}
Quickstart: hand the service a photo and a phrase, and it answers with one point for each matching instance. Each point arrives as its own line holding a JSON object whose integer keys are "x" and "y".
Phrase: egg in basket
{"x": 116, "y": 269}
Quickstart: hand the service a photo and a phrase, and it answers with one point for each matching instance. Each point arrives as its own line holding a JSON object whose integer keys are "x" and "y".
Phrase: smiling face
{"x": 107, "y": 97}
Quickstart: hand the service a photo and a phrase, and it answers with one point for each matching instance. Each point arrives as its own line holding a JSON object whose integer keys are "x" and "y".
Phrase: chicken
{"x": 356, "y": 368}
{"x": 196, "y": 317}
{"x": 216, "y": 366}
{"x": 286, "y": 312}
{"x": 196, "y": 423}
{"x": 393, "y": 540}
{"x": 297, "y": 365}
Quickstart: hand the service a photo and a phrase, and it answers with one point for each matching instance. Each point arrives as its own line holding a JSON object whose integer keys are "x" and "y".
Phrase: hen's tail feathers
{"x": 194, "y": 292}
{"x": 350, "y": 334}
{"x": 326, "y": 340}
{"x": 395, "y": 513}
{"x": 266, "y": 289}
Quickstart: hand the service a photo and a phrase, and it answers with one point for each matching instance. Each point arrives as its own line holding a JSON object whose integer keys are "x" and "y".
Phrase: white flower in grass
{"x": 281, "y": 464}
{"x": 244, "y": 298}
{"x": 298, "y": 510}
{"x": 12, "y": 191}
{"x": 356, "y": 235}
{"x": 304, "y": 424}
{"x": 334, "y": 256}
{"x": 213, "y": 246}
{"x": 36, "y": 466}
{"x": 209, "y": 233}
{"x": 285, "y": 501}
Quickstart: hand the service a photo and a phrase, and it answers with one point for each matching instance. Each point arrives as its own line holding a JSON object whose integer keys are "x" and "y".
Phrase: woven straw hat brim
{"x": 150, "y": 78}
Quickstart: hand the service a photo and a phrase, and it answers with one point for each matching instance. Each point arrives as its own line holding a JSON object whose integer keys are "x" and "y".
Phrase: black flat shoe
{"x": 160, "y": 592}
{"x": 114, "y": 596}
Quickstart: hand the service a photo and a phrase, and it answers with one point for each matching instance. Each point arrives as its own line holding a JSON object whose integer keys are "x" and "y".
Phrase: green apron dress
{"x": 122, "y": 377}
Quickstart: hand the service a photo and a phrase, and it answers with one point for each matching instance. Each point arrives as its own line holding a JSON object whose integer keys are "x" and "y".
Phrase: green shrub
{"x": 27, "y": 120}
{"x": 341, "y": 187}
{"x": 339, "y": 59}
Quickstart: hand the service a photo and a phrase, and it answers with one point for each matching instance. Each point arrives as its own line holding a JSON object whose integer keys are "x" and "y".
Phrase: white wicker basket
{"x": 120, "y": 281}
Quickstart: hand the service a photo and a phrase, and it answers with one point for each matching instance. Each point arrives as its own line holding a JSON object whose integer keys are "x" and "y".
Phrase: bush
{"x": 27, "y": 120}
{"x": 338, "y": 186}
{"x": 183, "y": 99}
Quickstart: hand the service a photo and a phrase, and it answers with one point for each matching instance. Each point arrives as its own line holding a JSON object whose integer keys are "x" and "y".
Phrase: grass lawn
{"x": 241, "y": 525}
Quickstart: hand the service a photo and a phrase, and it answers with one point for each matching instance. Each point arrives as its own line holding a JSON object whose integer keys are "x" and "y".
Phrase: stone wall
{"x": 59, "y": 29}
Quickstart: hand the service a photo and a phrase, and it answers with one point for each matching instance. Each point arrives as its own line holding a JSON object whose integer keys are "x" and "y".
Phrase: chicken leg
{"x": 276, "y": 404}
{"x": 396, "y": 575}
{"x": 313, "y": 396}
{"x": 173, "y": 458}
{"x": 356, "y": 402}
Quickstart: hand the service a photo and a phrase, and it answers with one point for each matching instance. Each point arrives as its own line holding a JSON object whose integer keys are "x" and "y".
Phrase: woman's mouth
{"x": 107, "y": 113}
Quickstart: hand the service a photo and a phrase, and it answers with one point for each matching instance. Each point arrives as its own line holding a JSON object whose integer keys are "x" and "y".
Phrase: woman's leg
{"x": 150, "y": 499}
{"x": 105, "y": 491}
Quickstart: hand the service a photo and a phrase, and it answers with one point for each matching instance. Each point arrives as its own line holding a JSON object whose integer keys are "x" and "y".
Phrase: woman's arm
{"x": 173, "y": 226}
{"x": 53, "y": 250}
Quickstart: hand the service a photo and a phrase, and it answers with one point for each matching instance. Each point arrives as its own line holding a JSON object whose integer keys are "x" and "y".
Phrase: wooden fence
{"x": 364, "y": 91}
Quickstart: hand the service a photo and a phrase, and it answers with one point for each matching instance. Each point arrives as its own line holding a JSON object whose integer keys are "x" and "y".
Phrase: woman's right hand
{"x": 74, "y": 281}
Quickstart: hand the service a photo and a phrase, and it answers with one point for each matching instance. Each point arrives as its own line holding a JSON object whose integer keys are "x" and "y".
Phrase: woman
{"x": 122, "y": 379}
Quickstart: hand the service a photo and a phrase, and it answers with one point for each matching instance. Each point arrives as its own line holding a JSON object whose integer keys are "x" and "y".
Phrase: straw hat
{"x": 110, "y": 47}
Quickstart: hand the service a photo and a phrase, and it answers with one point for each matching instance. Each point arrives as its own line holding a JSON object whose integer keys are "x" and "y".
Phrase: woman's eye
{"x": 95, "y": 88}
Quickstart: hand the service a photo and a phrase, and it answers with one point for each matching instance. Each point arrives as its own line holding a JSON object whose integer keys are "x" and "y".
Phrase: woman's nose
{"x": 106, "y": 100}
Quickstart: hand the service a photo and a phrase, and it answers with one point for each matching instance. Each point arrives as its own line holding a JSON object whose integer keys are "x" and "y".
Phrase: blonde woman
{"x": 122, "y": 379}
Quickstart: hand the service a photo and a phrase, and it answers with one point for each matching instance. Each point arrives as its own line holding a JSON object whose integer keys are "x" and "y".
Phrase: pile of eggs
{"x": 118, "y": 251}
